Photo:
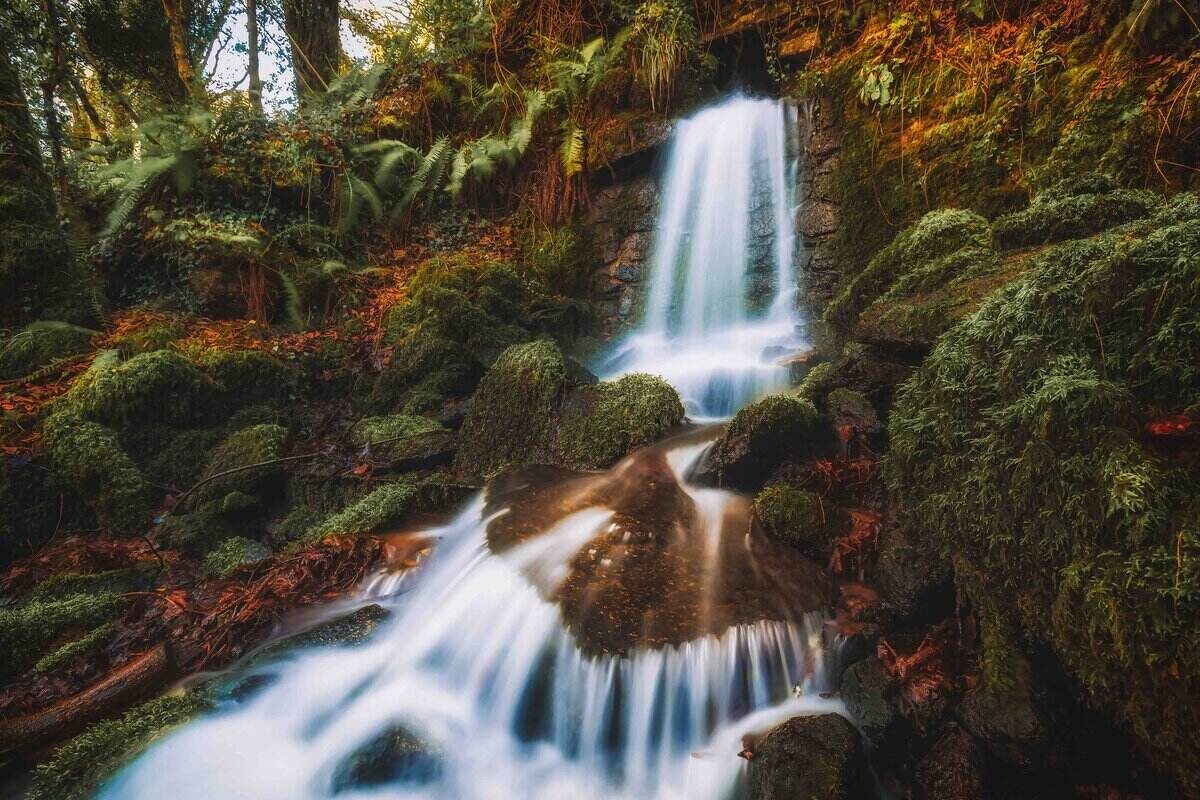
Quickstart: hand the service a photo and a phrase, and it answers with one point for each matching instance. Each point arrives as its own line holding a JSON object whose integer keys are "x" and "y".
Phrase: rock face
{"x": 1010, "y": 724}
{"x": 913, "y": 579}
{"x": 952, "y": 770}
{"x": 622, "y": 224}
{"x": 866, "y": 690}
{"x": 809, "y": 758}
{"x": 760, "y": 438}
{"x": 820, "y": 211}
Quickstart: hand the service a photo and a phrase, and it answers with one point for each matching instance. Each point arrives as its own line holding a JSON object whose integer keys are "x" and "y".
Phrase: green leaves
{"x": 877, "y": 86}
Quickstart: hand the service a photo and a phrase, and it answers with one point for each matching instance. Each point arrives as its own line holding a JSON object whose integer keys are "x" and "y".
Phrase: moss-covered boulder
{"x": 1021, "y": 449}
{"x": 28, "y": 629}
{"x": 241, "y": 449}
{"x": 234, "y": 552}
{"x": 425, "y": 370}
{"x": 155, "y": 334}
{"x": 77, "y": 769}
{"x": 763, "y": 436}
{"x": 36, "y": 501}
{"x": 851, "y": 412}
{"x": 1074, "y": 208}
{"x": 405, "y": 441}
{"x": 374, "y": 511}
{"x": 162, "y": 386}
{"x": 801, "y": 518}
{"x": 40, "y": 343}
{"x": 603, "y": 422}
{"x": 249, "y": 377}
{"x": 89, "y": 457}
{"x": 512, "y": 416}
{"x": 930, "y": 247}
{"x": 810, "y": 757}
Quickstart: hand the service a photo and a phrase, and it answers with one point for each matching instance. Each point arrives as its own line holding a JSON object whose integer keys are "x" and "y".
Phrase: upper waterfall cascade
{"x": 605, "y": 635}
{"x": 720, "y": 311}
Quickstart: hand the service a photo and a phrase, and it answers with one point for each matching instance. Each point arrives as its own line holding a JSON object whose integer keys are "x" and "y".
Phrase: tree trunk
{"x": 89, "y": 108}
{"x": 177, "y": 27}
{"x": 312, "y": 29}
{"x": 55, "y": 71}
{"x": 255, "y": 86}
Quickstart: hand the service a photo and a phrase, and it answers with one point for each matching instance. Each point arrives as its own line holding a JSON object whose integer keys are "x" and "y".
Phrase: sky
{"x": 226, "y": 67}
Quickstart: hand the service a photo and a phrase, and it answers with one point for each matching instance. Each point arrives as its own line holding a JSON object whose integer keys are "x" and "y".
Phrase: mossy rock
{"x": 602, "y": 423}
{"x": 241, "y": 449}
{"x": 249, "y": 377}
{"x": 114, "y": 581}
{"x": 39, "y": 344}
{"x": 394, "y": 757}
{"x": 383, "y": 506}
{"x": 35, "y": 501}
{"x": 157, "y": 334}
{"x": 1019, "y": 450}
{"x": 162, "y": 387}
{"x": 198, "y": 532}
{"x": 763, "y": 436}
{"x": 27, "y": 630}
{"x": 810, "y": 757}
{"x": 1073, "y": 211}
{"x": 928, "y": 248}
{"x": 425, "y": 369}
{"x": 66, "y": 654}
{"x": 233, "y": 553}
{"x": 512, "y": 415}
{"x": 77, "y": 769}
{"x": 89, "y": 457}
{"x": 848, "y": 408}
{"x": 801, "y": 518}
{"x": 404, "y": 440}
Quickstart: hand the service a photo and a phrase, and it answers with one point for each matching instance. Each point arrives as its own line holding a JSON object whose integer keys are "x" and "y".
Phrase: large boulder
{"x": 1013, "y": 725}
{"x": 801, "y": 518}
{"x": 870, "y": 697}
{"x": 916, "y": 581}
{"x": 952, "y": 769}
{"x": 817, "y": 758}
{"x": 762, "y": 437}
{"x": 536, "y": 406}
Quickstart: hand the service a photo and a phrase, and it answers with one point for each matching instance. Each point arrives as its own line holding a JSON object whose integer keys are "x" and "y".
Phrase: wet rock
{"x": 406, "y": 442}
{"x": 868, "y": 692}
{"x": 952, "y": 770}
{"x": 801, "y": 518}
{"x": 848, "y": 408}
{"x": 396, "y": 756}
{"x": 818, "y": 219}
{"x": 601, "y": 423}
{"x": 1011, "y": 724}
{"x": 760, "y": 438}
{"x": 809, "y": 757}
{"x": 914, "y": 580}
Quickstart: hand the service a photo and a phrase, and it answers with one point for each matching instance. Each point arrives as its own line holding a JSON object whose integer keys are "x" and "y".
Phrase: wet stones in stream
{"x": 809, "y": 757}
{"x": 667, "y": 566}
{"x": 396, "y": 756}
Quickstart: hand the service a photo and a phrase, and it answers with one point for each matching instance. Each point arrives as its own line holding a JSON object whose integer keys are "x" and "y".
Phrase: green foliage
{"x": 382, "y": 506}
{"x": 27, "y": 630}
{"x": 1018, "y": 448}
{"x": 234, "y": 552}
{"x": 41, "y": 344}
{"x": 393, "y": 433}
{"x": 115, "y": 581}
{"x": 561, "y": 257}
{"x": 159, "y": 386}
{"x": 1070, "y": 210}
{"x": 77, "y": 769}
{"x": 602, "y": 423}
{"x": 939, "y": 235}
{"x": 246, "y": 378}
{"x": 664, "y": 39}
{"x": 155, "y": 335}
{"x": 246, "y": 447}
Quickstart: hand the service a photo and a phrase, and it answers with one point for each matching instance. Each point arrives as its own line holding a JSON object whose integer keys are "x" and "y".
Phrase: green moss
{"x": 800, "y": 518}
{"x": 199, "y": 532}
{"x": 63, "y": 656}
{"x": 561, "y": 257}
{"x": 1018, "y": 448}
{"x": 397, "y": 432}
{"x": 425, "y": 369}
{"x": 249, "y": 377}
{"x": 162, "y": 386}
{"x": 39, "y": 344}
{"x": 384, "y": 505}
{"x": 765, "y": 435}
{"x": 512, "y": 416}
{"x": 27, "y": 630}
{"x": 35, "y": 503}
{"x": 80, "y": 767}
{"x": 232, "y": 553}
{"x": 929, "y": 247}
{"x": 602, "y": 423}
{"x": 1060, "y": 214}
{"x": 66, "y": 584}
{"x": 253, "y": 445}
{"x": 154, "y": 335}
{"x": 90, "y": 458}
{"x": 815, "y": 383}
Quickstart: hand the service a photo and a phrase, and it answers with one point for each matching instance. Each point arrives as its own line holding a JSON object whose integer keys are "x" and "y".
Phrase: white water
{"x": 479, "y": 666}
{"x": 725, "y": 228}
{"x": 477, "y": 663}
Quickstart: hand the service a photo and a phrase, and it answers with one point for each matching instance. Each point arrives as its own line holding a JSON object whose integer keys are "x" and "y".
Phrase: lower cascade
{"x": 605, "y": 635}
{"x": 475, "y": 688}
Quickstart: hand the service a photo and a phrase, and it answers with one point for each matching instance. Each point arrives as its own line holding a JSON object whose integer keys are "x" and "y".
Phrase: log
{"x": 131, "y": 683}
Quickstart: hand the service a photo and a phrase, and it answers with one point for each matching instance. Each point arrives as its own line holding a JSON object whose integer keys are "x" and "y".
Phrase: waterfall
{"x": 600, "y": 636}
{"x": 720, "y": 311}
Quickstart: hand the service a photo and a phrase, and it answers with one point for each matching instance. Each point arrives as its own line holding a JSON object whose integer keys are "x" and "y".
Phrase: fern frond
{"x": 571, "y": 148}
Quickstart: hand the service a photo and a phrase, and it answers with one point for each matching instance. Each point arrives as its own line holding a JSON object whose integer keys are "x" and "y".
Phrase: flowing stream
{"x": 572, "y": 635}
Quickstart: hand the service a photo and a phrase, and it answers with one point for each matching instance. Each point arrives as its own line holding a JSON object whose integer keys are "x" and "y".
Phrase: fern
{"x": 571, "y": 148}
